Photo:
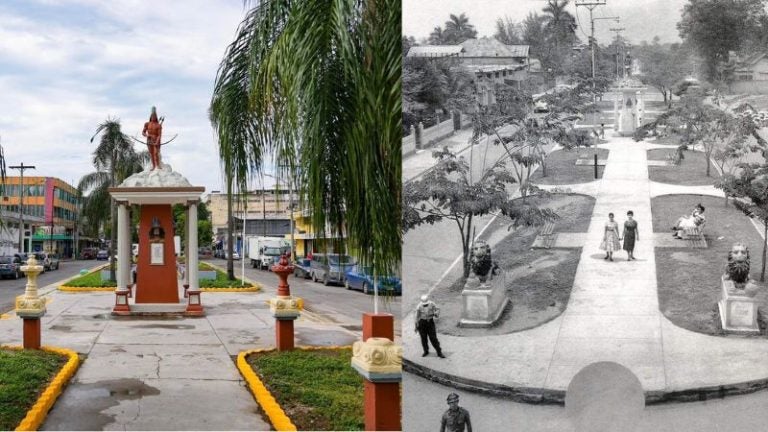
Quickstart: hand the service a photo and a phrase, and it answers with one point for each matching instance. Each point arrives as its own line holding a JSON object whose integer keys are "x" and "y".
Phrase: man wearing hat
{"x": 456, "y": 418}
{"x": 426, "y": 313}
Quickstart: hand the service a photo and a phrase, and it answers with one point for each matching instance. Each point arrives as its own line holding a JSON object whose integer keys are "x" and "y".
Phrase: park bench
{"x": 546, "y": 237}
{"x": 695, "y": 237}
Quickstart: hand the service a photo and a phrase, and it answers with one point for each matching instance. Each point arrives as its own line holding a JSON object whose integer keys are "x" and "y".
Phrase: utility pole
{"x": 617, "y": 30}
{"x": 21, "y": 169}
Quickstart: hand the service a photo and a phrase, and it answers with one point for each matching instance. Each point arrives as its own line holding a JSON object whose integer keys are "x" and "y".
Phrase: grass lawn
{"x": 221, "y": 281}
{"x": 562, "y": 168}
{"x": 539, "y": 281}
{"x": 92, "y": 279}
{"x": 24, "y": 374}
{"x": 689, "y": 279}
{"x": 318, "y": 389}
{"x": 690, "y": 172}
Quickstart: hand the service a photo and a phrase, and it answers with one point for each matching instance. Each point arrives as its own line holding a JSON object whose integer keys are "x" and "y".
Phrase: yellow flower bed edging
{"x": 67, "y": 288}
{"x": 268, "y": 403}
{"x": 39, "y": 410}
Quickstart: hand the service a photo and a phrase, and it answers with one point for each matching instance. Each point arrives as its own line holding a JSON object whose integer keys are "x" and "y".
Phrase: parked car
{"x": 361, "y": 278}
{"x": 330, "y": 268}
{"x": 10, "y": 266}
{"x": 41, "y": 260}
{"x": 53, "y": 261}
{"x": 204, "y": 252}
{"x": 88, "y": 253}
{"x": 235, "y": 255}
{"x": 102, "y": 254}
{"x": 301, "y": 268}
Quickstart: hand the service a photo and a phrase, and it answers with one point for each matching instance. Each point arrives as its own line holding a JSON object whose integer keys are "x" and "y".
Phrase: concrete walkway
{"x": 147, "y": 373}
{"x": 612, "y": 315}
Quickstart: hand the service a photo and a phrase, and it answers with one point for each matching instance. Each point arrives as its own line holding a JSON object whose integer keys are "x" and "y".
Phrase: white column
{"x": 122, "y": 221}
{"x": 187, "y": 253}
{"x": 127, "y": 248}
{"x": 192, "y": 272}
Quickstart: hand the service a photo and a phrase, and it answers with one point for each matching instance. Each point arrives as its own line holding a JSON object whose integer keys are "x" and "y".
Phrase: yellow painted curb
{"x": 44, "y": 403}
{"x": 246, "y": 289}
{"x": 268, "y": 403}
{"x": 67, "y": 288}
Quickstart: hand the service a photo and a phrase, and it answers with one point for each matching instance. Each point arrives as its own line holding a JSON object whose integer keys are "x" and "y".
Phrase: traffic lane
{"x": 333, "y": 302}
{"x": 11, "y": 288}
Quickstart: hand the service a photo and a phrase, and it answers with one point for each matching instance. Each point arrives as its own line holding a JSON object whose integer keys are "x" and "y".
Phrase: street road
{"x": 425, "y": 401}
{"x": 329, "y": 303}
{"x": 10, "y": 288}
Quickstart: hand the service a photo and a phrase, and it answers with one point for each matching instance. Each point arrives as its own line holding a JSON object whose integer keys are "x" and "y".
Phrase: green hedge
{"x": 221, "y": 281}
{"x": 91, "y": 280}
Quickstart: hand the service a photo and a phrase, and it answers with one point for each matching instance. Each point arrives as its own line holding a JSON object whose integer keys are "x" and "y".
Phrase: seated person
{"x": 695, "y": 219}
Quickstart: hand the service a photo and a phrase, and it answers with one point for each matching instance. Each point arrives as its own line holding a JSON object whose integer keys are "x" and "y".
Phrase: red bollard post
{"x": 30, "y": 307}
{"x": 284, "y": 307}
{"x": 382, "y": 378}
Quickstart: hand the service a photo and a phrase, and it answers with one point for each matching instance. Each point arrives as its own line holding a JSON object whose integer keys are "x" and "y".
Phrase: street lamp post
{"x": 21, "y": 169}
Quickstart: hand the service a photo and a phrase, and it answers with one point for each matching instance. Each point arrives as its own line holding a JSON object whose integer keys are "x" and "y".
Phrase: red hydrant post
{"x": 379, "y": 361}
{"x": 284, "y": 307}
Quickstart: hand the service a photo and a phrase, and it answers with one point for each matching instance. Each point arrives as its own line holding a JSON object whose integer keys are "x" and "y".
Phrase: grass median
{"x": 24, "y": 375}
{"x": 318, "y": 389}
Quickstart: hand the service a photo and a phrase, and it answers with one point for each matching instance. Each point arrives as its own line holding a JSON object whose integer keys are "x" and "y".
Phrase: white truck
{"x": 265, "y": 251}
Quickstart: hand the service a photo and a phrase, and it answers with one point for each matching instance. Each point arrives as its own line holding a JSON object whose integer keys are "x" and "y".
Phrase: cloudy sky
{"x": 643, "y": 19}
{"x": 67, "y": 65}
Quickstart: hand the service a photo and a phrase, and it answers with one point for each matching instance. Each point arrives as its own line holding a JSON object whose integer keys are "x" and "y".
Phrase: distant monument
{"x": 484, "y": 295}
{"x": 738, "y": 306}
{"x": 152, "y": 193}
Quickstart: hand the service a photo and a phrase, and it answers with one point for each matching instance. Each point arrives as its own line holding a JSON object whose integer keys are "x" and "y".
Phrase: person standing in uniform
{"x": 456, "y": 418}
{"x": 426, "y": 313}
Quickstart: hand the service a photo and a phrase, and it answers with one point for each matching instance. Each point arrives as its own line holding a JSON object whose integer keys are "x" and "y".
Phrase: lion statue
{"x": 737, "y": 269}
{"x": 481, "y": 261}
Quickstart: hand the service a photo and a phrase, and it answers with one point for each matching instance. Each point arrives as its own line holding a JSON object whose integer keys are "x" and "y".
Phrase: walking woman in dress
{"x": 631, "y": 235}
{"x": 610, "y": 238}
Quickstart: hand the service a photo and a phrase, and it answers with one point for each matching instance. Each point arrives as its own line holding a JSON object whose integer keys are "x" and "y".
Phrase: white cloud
{"x": 59, "y": 79}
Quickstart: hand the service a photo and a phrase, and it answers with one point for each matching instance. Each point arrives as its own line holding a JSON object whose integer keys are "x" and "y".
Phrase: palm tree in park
{"x": 560, "y": 25}
{"x": 458, "y": 29}
{"x": 323, "y": 88}
{"x": 115, "y": 160}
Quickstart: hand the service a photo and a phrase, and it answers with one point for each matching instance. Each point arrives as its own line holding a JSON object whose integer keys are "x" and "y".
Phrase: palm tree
{"x": 437, "y": 37}
{"x": 458, "y": 29}
{"x": 323, "y": 89}
{"x": 561, "y": 25}
{"x": 115, "y": 160}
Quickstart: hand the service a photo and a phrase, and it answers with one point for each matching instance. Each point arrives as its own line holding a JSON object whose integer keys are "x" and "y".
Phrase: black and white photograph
{"x": 585, "y": 209}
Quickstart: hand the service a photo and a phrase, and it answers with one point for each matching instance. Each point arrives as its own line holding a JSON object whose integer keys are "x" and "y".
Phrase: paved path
{"x": 148, "y": 373}
{"x": 612, "y": 315}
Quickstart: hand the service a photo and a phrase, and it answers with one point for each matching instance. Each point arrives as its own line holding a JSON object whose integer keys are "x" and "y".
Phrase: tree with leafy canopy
{"x": 507, "y": 31}
{"x": 716, "y": 27}
{"x": 115, "y": 159}
{"x": 458, "y": 29}
{"x": 738, "y": 144}
{"x": 698, "y": 123}
{"x": 752, "y": 184}
{"x": 316, "y": 86}
{"x": 663, "y": 65}
{"x": 448, "y": 192}
{"x": 561, "y": 30}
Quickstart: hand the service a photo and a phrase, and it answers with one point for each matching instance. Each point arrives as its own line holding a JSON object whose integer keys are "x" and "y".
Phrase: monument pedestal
{"x": 483, "y": 303}
{"x": 738, "y": 311}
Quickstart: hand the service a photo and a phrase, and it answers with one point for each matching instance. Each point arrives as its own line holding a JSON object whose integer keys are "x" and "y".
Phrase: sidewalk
{"x": 147, "y": 373}
{"x": 612, "y": 315}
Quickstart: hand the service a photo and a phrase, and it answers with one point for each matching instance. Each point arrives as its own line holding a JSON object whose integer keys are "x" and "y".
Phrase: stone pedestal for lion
{"x": 483, "y": 302}
{"x": 738, "y": 307}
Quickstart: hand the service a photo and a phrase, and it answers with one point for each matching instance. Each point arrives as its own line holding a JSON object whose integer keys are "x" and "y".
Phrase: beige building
{"x": 266, "y": 212}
